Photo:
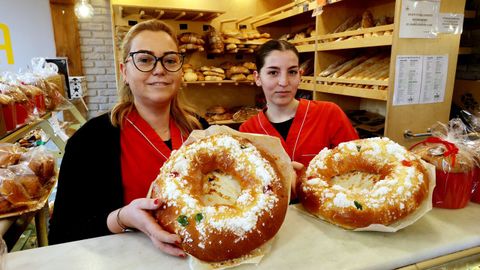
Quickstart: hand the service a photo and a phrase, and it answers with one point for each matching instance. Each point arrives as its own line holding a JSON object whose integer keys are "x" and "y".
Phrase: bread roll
{"x": 238, "y": 77}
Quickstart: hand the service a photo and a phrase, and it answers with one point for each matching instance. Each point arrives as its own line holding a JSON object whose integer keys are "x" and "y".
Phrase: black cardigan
{"x": 90, "y": 182}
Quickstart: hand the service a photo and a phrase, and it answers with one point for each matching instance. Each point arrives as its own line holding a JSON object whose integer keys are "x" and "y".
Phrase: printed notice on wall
{"x": 418, "y": 18}
{"x": 434, "y": 78}
{"x": 451, "y": 23}
{"x": 408, "y": 77}
{"x": 420, "y": 79}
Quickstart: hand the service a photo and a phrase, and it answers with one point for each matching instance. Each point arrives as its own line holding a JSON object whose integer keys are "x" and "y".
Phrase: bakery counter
{"x": 302, "y": 243}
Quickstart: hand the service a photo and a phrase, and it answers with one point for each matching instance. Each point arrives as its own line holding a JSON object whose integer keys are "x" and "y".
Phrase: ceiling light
{"x": 83, "y": 9}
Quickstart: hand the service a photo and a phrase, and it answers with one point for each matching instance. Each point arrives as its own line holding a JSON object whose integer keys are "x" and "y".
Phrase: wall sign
{"x": 420, "y": 79}
{"x": 418, "y": 18}
{"x": 26, "y": 31}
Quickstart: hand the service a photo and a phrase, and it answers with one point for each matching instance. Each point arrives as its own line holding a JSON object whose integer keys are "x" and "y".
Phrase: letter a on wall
{"x": 7, "y": 43}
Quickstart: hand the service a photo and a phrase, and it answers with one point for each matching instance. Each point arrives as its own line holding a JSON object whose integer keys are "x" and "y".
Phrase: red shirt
{"x": 317, "y": 124}
{"x": 142, "y": 154}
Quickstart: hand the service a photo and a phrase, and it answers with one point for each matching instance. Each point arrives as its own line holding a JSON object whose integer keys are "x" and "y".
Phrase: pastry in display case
{"x": 26, "y": 178}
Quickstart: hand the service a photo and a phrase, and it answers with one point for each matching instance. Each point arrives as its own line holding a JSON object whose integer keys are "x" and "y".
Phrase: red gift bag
{"x": 454, "y": 172}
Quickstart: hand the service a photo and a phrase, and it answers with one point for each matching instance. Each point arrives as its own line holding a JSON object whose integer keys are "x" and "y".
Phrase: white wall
{"x": 31, "y": 32}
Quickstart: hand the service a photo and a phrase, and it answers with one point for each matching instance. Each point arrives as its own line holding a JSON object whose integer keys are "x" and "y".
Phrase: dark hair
{"x": 272, "y": 45}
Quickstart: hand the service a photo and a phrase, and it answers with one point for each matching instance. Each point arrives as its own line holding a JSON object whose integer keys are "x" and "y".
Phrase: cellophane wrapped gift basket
{"x": 451, "y": 151}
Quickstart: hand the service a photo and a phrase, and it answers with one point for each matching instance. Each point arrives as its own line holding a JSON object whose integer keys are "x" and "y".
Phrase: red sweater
{"x": 317, "y": 125}
{"x": 143, "y": 153}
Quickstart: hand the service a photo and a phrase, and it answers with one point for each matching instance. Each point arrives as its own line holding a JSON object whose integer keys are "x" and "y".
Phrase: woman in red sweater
{"x": 303, "y": 126}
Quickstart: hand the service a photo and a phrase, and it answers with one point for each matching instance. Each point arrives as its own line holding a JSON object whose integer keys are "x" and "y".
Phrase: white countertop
{"x": 302, "y": 243}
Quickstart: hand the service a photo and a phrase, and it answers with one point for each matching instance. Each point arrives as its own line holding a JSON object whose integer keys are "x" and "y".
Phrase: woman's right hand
{"x": 136, "y": 215}
{"x": 299, "y": 170}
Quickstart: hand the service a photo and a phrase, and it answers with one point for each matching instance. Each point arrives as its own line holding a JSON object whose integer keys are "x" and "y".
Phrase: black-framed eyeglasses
{"x": 145, "y": 61}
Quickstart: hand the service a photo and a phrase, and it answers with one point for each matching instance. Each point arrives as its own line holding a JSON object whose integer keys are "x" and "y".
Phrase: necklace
{"x": 146, "y": 138}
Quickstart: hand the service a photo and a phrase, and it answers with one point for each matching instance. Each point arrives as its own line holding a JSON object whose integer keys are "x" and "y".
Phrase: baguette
{"x": 348, "y": 65}
{"x": 332, "y": 68}
{"x": 346, "y": 24}
{"x": 363, "y": 66}
{"x": 362, "y": 75}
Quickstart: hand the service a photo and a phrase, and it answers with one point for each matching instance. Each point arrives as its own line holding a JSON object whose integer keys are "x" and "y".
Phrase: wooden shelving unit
{"x": 352, "y": 94}
{"x": 200, "y": 94}
{"x": 144, "y": 13}
{"x": 219, "y": 83}
{"x": 284, "y": 12}
{"x": 307, "y": 83}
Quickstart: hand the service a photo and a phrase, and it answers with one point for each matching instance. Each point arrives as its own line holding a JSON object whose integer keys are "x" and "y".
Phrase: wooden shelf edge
{"x": 307, "y": 86}
{"x": 305, "y": 48}
{"x": 157, "y": 12}
{"x": 357, "y": 32}
{"x": 202, "y": 83}
{"x": 281, "y": 13}
{"x": 19, "y": 132}
{"x": 353, "y": 92}
{"x": 356, "y": 43}
{"x": 341, "y": 80}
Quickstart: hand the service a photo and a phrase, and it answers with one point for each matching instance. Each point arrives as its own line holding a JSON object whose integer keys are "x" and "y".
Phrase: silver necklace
{"x": 144, "y": 136}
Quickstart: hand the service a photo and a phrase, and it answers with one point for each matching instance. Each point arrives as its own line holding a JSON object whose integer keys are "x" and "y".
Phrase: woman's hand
{"x": 136, "y": 215}
{"x": 299, "y": 168}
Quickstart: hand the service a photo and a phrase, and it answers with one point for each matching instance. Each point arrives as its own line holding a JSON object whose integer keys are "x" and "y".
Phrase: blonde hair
{"x": 183, "y": 115}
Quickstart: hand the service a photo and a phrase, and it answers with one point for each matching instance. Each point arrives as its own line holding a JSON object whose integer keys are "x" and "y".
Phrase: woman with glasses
{"x": 110, "y": 162}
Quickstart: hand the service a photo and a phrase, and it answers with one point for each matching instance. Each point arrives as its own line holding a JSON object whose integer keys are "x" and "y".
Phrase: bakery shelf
{"x": 219, "y": 83}
{"x": 283, "y": 12}
{"x": 353, "y": 91}
{"x": 356, "y": 43}
{"x": 350, "y": 81}
{"x": 142, "y": 13}
{"x": 307, "y": 86}
{"x": 360, "y": 42}
{"x": 307, "y": 83}
{"x": 310, "y": 47}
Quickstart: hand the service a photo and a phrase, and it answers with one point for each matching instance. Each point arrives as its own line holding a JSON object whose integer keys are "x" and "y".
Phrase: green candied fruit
{"x": 198, "y": 217}
{"x": 183, "y": 220}
{"x": 358, "y": 205}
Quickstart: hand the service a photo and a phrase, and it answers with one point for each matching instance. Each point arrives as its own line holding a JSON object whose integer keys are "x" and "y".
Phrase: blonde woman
{"x": 110, "y": 162}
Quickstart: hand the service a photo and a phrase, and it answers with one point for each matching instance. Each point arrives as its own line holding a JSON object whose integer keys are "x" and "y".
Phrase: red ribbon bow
{"x": 452, "y": 149}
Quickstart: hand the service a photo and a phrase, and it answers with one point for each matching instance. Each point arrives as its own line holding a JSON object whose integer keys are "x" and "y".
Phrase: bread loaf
{"x": 348, "y": 65}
